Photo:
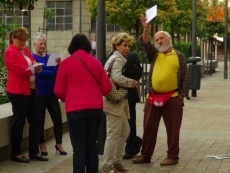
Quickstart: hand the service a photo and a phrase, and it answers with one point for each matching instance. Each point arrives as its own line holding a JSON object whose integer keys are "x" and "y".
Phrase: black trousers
{"x": 51, "y": 103}
{"x": 133, "y": 129}
{"x": 83, "y": 130}
{"x": 23, "y": 107}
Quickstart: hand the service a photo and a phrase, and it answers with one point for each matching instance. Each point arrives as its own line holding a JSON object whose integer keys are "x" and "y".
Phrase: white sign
{"x": 151, "y": 13}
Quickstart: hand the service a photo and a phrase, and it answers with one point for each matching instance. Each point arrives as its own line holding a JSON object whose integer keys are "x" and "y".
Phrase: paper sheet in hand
{"x": 52, "y": 59}
{"x": 34, "y": 65}
{"x": 151, "y": 13}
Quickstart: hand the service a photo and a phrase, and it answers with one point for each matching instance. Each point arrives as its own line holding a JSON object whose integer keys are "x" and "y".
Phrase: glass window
{"x": 50, "y": 5}
{"x": 51, "y": 27}
{"x": 52, "y": 20}
{"x": 68, "y": 26}
{"x": 18, "y": 12}
{"x": 59, "y": 27}
{"x": 68, "y": 12}
{"x": 60, "y": 4}
{"x": 59, "y": 20}
{"x": 63, "y": 18}
{"x": 93, "y": 24}
{"x": 15, "y": 16}
{"x": 68, "y": 20}
{"x": 18, "y": 20}
{"x": 9, "y": 20}
{"x": 109, "y": 28}
{"x": 26, "y": 20}
{"x": 59, "y": 12}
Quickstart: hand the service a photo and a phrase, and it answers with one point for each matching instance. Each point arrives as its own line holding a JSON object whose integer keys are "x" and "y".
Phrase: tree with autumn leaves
{"x": 174, "y": 16}
{"x": 212, "y": 21}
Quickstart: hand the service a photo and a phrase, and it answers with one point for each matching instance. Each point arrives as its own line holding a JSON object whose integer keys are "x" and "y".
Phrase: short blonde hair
{"x": 119, "y": 38}
{"x": 38, "y": 36}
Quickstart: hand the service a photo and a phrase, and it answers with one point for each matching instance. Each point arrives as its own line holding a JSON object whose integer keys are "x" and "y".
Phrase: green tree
{"x": 47, "y": 14}
{"x": 4, "y": 30}
{"x": 28, "y": 4}
{"x": 179, "y": 21}
{"x": 126, "y": 13}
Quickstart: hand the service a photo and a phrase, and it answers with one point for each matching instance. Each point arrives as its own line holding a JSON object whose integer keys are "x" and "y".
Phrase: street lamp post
{"x": 100, "y": 32}
{"x": 226, "y": 40}
{"x": 80, "y": 16}
{"x": 194, "y": 69}
{"x": 194, "y": 28}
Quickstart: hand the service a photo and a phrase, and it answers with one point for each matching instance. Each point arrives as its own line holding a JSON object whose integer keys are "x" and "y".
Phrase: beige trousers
{"x": 117, "y": 132}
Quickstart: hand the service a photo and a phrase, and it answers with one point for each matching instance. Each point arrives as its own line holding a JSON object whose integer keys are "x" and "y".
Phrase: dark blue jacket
{"x": 133, "y": 94}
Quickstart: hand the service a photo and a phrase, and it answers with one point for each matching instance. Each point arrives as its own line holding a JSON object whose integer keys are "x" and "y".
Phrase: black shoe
{"x": 22, "y": 159}
{"x": 60, "y": 152}
{"x": 127, "y": 156}
{"x": 137, "y": 145}
{"x": 39, "y": 158}
{"x": 44, "y": 153}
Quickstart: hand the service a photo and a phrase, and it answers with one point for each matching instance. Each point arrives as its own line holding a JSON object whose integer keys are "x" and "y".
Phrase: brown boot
{"x": 140, "y": 160}
{"x": 169, "y": 161}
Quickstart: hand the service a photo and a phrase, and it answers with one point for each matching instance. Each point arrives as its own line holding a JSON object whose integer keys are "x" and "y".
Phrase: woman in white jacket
{"x": 117, "y": 114}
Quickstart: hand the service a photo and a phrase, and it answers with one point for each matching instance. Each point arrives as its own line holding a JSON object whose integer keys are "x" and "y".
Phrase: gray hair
{"x": 38, "y": 36}
{"x": 167, "y": 35}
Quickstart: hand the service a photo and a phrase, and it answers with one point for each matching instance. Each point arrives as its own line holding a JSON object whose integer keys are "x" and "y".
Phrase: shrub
{"x": 3, "y": 78}
{"x": 186, "y": 48}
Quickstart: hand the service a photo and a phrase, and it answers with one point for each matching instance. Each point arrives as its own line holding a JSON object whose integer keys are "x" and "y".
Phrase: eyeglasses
{"x": 22, "y": 40}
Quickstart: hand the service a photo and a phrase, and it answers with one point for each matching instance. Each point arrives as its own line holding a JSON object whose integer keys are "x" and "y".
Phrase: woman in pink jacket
{"x": 21, "y": 90}
{"x": 81, "y": 82}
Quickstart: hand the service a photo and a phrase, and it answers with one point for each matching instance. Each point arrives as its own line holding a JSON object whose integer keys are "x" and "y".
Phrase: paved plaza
{"x": 205, "y": 132}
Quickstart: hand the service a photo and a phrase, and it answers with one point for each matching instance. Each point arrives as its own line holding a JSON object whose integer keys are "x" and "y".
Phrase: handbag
{"x": 117, "y": 93}
{"x": 159, "y": 100}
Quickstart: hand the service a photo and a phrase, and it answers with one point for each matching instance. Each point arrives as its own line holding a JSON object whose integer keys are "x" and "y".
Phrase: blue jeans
{"x": 83, "y": 130}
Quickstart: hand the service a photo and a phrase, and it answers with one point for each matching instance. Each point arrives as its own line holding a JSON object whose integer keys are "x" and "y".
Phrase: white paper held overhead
{"x": 151, "y": 13}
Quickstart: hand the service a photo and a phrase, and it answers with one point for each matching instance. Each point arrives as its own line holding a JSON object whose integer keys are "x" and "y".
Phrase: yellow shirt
{"x": 165, "y": 73}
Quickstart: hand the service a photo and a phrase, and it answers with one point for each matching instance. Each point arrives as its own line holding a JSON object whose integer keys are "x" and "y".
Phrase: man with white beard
{"x": 167, "y": 85}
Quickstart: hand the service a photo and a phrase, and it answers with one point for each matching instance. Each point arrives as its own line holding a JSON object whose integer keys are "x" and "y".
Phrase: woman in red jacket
{"x": 81, "y": 82}
{"x": 20, "y": 88}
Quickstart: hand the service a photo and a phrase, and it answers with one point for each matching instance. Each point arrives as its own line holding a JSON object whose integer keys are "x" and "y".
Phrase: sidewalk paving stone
{"x": 205, "y": 132}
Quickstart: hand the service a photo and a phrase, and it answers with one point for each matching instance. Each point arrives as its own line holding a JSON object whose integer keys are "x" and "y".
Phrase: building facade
{"x": 69, "y": 17}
